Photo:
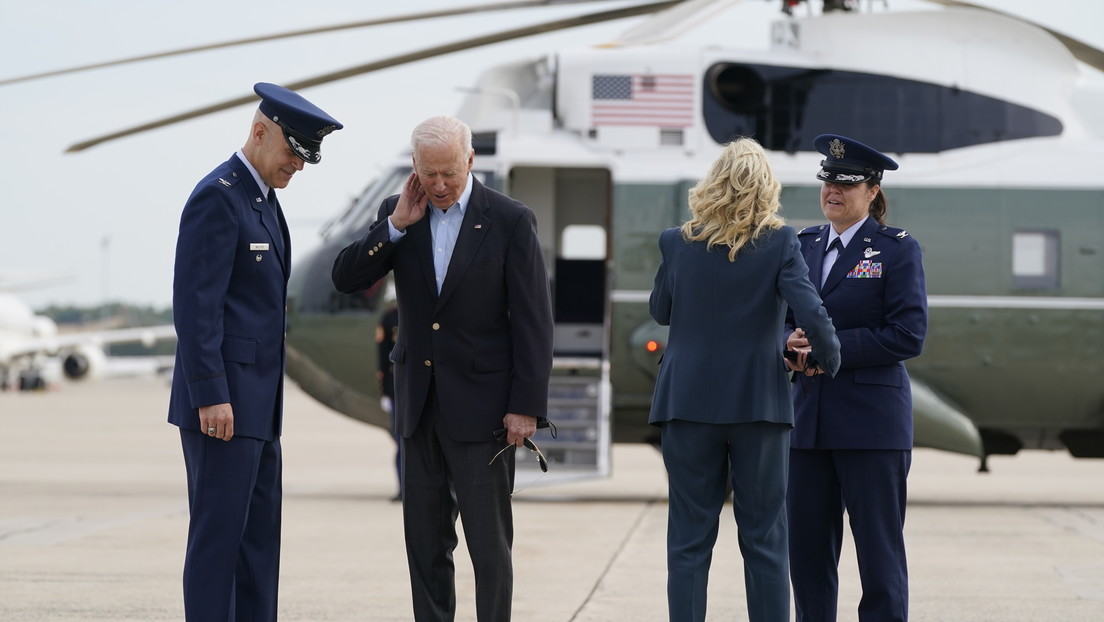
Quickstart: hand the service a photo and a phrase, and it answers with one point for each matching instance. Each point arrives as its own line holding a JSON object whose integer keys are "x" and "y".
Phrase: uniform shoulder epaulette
{"x": 892, "y": 232}
{"x": 227, "y": 180}
{"x": 225, "y": 177}
{"x": 812, "y": 229}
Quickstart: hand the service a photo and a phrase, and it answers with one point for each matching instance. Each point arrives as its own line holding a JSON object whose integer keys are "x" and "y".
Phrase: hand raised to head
{"x": 412, "y": 204}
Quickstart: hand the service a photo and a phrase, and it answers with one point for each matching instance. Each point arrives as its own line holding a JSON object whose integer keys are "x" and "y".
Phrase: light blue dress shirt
{"x": 444, "y": 226}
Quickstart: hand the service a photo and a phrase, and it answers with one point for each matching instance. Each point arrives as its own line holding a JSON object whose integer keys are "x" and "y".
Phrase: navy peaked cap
{"x": 303, "y": 123}
{"x": 849, "y": 161}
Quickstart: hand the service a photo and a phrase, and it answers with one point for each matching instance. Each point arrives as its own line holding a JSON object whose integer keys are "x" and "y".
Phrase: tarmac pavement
{"x": 93, "y": 520}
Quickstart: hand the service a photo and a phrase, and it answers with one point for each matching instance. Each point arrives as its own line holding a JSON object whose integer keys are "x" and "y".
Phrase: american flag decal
{"x": 663, "y": 100}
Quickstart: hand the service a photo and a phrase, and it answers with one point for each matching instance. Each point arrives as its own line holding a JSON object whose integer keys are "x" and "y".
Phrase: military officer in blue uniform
{"x": 233, "y": 255}
{"x": 851, "y": 446}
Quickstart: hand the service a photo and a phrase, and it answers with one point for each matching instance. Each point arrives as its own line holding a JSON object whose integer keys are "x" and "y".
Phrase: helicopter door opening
{"x": 572, "y": 206}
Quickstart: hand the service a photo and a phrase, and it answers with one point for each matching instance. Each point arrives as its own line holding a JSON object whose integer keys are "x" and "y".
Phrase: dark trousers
{"x": 701, "y": 459}
{"x": 232, "y": 564}
{"x": 443, "y": 478}
{"x": 871, "y": 486}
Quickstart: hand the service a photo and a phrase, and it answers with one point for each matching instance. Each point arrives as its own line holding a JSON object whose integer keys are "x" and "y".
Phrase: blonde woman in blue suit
{"x": 722, "y": 397}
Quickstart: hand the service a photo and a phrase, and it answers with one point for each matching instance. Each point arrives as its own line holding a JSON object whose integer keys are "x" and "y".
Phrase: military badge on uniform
{"x": 866, "y": 269}
{"x": 902, "y": 234}
{"x": 870, "y": 252}
{"x": 224, "y": 182}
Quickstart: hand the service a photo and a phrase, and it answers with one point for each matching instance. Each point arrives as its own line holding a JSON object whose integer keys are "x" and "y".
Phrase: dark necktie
{"x": 276, "y": 213}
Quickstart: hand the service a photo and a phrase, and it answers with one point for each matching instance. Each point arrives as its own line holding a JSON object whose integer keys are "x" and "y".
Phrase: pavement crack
{"x": 613, "y": 558}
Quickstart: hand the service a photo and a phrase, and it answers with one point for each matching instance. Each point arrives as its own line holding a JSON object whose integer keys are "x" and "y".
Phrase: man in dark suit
{"x": 851, "y": 446}
{"x": 473, "y": 357}
{"x": 233, "y": 255}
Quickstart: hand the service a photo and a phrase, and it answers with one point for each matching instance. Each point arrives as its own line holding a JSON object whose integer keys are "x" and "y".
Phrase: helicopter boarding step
{"x": 578, "y": 408}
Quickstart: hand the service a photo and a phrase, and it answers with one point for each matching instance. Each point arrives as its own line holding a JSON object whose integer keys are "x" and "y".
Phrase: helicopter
{"x": 985, "y": 113}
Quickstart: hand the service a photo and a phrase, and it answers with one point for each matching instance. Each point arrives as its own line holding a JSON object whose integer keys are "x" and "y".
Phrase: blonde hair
{"x": 737, "y": 201}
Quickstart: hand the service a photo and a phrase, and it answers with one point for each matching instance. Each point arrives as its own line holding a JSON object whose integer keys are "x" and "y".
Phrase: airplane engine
{"x": 83, "y": 363}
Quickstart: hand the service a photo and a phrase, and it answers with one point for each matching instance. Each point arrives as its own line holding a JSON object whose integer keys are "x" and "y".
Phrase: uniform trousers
{"x": 232, "y": 563}
{"x": 701, "y": 459}
{"x": 442, "y": 479}
{"x": 871, "y": 486}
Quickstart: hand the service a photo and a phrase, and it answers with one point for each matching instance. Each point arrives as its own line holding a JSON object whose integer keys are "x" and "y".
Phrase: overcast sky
{"x": 108, "y": 216}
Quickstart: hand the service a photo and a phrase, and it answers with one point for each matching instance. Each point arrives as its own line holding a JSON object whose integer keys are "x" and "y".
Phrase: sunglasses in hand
{"x": 500, "y": 434}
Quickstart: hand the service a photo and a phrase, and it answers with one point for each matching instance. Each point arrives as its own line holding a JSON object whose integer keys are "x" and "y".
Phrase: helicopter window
{"x": 1035, "y": 259}
{"x": 583, "y": 242}
{"x": 367, "y": 206}
{"x": 785, "y": 108}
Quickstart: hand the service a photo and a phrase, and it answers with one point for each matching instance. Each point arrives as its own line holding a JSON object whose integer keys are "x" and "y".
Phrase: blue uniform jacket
{"x": 233, "y": 255}
{"x": 723, "y": 362}
{"x": 876, "y": 296}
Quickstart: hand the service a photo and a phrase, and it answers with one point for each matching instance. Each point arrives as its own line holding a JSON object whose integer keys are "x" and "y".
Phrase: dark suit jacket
{"x": 876, "y": 296}
{"x": 229, "y": 304}
{"x": 723, "y": 362}
{"x": 487, "y": 338}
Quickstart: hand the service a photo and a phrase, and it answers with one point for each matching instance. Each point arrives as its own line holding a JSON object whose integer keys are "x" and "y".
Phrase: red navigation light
{"x": 652, "y": 345}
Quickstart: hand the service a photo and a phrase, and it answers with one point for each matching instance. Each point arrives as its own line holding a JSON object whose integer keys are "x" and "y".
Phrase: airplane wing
{"x": 53, "y": 344}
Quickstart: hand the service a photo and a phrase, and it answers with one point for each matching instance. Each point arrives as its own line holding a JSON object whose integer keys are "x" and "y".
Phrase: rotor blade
{"x": 480, "y": 8}
{"x": 673, "y": 23}
{"x": 401, "y": 59}
{"x": 1082, "y": 51}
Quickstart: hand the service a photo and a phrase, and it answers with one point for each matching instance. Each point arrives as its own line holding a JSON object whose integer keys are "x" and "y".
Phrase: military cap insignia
{"x": 322, "y": 133}
{"x": 836, "y": 148}
{"x": 300, "y": 150}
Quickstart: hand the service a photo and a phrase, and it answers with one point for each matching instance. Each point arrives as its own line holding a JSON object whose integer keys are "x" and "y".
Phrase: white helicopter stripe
{"x": 950, "y": 302}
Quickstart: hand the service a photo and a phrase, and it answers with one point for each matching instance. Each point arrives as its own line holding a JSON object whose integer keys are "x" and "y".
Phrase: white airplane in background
{"x": 30, "y": 342}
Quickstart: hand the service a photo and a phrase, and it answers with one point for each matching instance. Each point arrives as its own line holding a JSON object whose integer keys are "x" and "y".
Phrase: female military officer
{"x": 851, "y": 444}
{"x": 722, "y": 395}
